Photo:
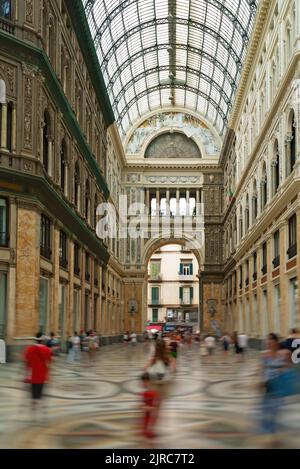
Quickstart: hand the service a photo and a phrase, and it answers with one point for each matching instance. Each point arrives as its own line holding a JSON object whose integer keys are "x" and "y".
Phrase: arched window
{"x": 63, "y": 165}
{"x": 235, "y": 231}
{"x": 230, "y": 239}
{"x": 288, "y": 39}
{"x": 247, "y": 218}
{"x": 276, "y": 168}
{"x": 2, "y": 92}
{"x": 9, "y": 128}
{"x": 46, "y": 134}
{"x": 77, "y": 186}
{"x": 254, "y": 202}
{"x": 241, "y": 225}
{"x": 52, "y": 42}
{"x": 95, "y": 211}
{"x": 264, "y": 187}
{"x": 78, "y": 101}
{"x": 45, "y": 26}
{"x": 6, "y": 9}
{"x": 87, "y": 201}
{"x": 67, "y": 86}
{"x": 2, "y": 101}
{"x": 291, "y": 139}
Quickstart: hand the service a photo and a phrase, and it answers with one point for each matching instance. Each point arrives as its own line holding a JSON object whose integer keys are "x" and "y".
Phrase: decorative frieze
{"x": 173, "y": 179}
{"x": 29, "y": 74}
{"x": 29, "y": 11}
{"x": 9, "y": 74}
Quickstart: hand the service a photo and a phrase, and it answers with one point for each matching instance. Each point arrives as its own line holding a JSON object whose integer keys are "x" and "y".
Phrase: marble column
{"x": 14, "y": 129}
{"x": 4, "y": 127}
{"x": 177, "y": 202}
{"x": 168, "y": 202}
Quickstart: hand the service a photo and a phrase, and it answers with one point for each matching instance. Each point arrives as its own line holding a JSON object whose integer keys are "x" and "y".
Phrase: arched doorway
{"x": 136, "y": 286}
{"x": 173, "y": 288}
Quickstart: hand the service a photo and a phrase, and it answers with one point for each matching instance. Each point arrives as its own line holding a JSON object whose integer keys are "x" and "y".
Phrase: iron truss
{"x": 161, "y": 53}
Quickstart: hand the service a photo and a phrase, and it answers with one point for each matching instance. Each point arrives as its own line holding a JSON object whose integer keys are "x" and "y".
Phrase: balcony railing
{"x": 154, "y": 301}
{"x": 7, "y": 26}
{"x": 264, "y": 269}
{"x": 276, "y": 262}
{"x": 185, "y": 302}
{"x": 45, "y": 252}
{"x": 4, "y": 238}
{"x": 63, "y": 262}
{"x": 157, "y": 277}
{"x": 292, "y": 251}
{"x": 185, "y": 276}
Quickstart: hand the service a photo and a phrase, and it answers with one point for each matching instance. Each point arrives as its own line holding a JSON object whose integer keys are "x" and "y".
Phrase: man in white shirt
{"x": 133, "y": 338}
{"x": 210, "y": 342}
{"x": 74, "y": 352}
{"x": 243, "y": 342}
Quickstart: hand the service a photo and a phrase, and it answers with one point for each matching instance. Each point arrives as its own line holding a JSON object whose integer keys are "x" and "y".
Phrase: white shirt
{"x": 210, "y": 342}
{"x": 243, "y": 340}
{"x": 133, "y": 337}
{"x": 75, "y": 341}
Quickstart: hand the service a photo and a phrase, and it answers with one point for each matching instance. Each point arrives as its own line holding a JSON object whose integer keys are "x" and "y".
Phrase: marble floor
{"x": 213, "y": 402}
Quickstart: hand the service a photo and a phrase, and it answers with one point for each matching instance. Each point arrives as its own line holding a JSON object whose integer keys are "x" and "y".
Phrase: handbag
{"x": 159, "y": 372}
{"x": 285, "y": 384}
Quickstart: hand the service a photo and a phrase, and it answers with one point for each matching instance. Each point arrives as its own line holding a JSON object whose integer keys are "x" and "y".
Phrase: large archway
{"x": 173, "y": 288}
{"x": 136, "y": 286}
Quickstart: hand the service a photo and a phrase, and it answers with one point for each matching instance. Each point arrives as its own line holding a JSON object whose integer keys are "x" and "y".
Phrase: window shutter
{"x": 191, "y": 269}
{"x": 181, "y": 269}
{"x": 181, "y": 293}
{"x": 191, "y": 293}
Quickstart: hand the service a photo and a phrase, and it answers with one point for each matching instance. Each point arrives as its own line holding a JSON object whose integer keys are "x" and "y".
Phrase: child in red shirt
{"x": 151, "y": 405}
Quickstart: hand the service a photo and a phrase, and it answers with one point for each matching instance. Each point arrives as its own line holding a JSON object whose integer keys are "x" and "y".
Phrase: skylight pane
{"x": 132, "y": 39}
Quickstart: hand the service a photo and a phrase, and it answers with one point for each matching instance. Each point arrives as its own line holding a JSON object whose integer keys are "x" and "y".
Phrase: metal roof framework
{"x": 160, "y": 53}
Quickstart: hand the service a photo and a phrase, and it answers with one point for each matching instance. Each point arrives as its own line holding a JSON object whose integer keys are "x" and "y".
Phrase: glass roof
{"x": 162, "y": 53}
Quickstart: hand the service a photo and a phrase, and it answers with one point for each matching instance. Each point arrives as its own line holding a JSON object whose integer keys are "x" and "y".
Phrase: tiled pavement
{"x": 212, "y": 403}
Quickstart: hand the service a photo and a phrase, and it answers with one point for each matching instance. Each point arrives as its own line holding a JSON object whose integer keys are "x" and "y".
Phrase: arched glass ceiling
{"x": 161, "y": 53}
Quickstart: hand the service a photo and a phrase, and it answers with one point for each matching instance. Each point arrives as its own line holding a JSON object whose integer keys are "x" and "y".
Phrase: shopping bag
{"x": 286, "y": 384}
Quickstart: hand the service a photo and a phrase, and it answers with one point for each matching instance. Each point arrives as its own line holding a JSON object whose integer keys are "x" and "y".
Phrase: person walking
{"x": 133, "y": 338}
{"x": 274, "y": 362}
{"x": 173, "y": 347}
{"x": 235, "y": 341}
{"x": 53, "y": 343}
{"x": 151, "y": 401}
{"x": 74, "y": 350}
{"x": 210, "y": 343}
{"x": 126, "y": 338}
{"x": 243, "y": 343}
{"x": 37, "y": 359}
{"x": 226, "y": 343}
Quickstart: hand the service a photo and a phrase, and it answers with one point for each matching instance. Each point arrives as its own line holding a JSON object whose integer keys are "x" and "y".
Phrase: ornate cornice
{"x": 255, "y": 39}
{"x": 33, "y": 58}
{"x": 270, "y": 120}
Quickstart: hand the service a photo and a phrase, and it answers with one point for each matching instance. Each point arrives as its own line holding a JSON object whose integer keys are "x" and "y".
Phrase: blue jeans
{"x": 74, "y": 354}
{"x": 270, "y": 409}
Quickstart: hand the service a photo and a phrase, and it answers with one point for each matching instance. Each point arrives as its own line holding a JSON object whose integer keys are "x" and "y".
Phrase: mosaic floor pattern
{"x": 213, "y": 402}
